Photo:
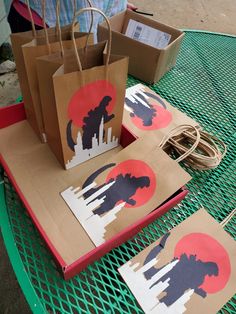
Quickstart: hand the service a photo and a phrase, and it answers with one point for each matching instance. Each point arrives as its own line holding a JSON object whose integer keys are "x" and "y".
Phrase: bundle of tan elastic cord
{"x": 195, "y": 147}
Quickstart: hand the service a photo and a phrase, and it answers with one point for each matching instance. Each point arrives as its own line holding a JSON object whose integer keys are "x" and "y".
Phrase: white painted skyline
{"x": 99, "y": 146}
{"x": 146, "y": 295}
{"x": 93, "y": 224}
{"x": 131, "y": 94}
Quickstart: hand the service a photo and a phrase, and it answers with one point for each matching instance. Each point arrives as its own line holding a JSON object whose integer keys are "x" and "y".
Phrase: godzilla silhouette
{"x": 91, "y": 124}
{"x": 188, "y": 273}
{"x": 146, "y": 113}
{"x": 124, "y": 187}
{"x": 93, "y": 120}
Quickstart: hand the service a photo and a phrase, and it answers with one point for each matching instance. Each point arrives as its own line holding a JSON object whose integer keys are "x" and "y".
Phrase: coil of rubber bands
{"x": 197, "y": 148}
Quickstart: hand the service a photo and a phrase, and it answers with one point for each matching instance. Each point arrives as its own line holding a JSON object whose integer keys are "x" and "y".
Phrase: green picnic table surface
{"x": 203, "y": 85}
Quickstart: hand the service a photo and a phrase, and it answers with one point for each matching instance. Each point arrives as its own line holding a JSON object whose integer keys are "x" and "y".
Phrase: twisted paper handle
{"x": 74, "y": 16}
{"x": 109, "y": 36}
{"x": 197, "y": 148}
{"x": 31, "y": 19}
{"x": 228, "y": 218}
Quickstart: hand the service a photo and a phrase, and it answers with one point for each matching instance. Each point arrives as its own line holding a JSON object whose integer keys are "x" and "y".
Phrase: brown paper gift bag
{"x": 125, "y": 189}
{"x": 44, "y": 46}
{"x": 26, "y": 47}
{"x": 17, "y": 40}
{"x": 191, "y": 269}
{"x": 147, "y": 111}
{"x": 46, "y": 67}
{"x": 89, "y": 91}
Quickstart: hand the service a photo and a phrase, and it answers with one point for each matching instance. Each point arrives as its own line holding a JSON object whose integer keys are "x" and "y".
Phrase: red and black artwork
{"x": 89, "y": 110}
{"x": 147, "y": 110}
{"x": 182, "y": 270}
{"x": 123, "y": 189}
{"x": 128, "y": 184}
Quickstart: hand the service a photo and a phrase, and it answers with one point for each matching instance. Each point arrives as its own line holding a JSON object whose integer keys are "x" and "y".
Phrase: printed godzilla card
{"x": 147, "y": 111}
{"x": 191, "y": 269}
{"x": 136, "y": 181}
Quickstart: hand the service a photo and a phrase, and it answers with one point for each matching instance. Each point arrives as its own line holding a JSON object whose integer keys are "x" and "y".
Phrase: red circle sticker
{"x": 160, "y": 118}
{"x": 137, "y": 179}
{"x": 207, "y": 249}
{"x": 89, "y": 97}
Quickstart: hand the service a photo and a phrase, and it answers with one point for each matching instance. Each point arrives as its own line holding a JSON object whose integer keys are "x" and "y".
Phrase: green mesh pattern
{"x": 203, "y": 85}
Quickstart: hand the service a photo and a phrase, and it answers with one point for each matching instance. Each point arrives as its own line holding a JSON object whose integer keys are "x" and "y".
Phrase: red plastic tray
{"x": 15, "y": 113}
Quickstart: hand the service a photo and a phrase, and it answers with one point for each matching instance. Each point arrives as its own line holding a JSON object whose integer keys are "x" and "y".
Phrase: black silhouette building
{"x": 188, "y": 273}
{"x": 145, "y": 113}
{"x": 124, "y": 187}
{"x": 91, "y": 124}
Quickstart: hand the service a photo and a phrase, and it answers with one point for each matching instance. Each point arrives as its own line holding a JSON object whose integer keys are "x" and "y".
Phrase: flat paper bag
{"x": 37, "y": 48}
{"x": 146, "y": 111}
{"x": 191, "y": 269}
{"x": 89, "y": 103}
{"x": 125, "y": 189}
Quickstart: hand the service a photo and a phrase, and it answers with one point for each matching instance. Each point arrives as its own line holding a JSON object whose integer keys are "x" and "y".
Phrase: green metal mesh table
{"x": 203, "y": 85}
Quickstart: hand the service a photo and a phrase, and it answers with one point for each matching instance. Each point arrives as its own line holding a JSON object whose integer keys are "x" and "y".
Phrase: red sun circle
{"x": 207, "y": 249}
{"x": 136, "y": 168}
{"x": 162, "y": 119}
{"x": 88, "y": 97}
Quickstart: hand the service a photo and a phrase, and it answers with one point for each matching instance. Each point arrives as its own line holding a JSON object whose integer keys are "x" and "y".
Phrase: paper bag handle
{"x": 59, "y": 25}
{"x": 178, "y": 130}
{"x": 73, "y": 36}
{"x": 44, "y": 24}
{"x": 45, "y": 27}
{"x": 31, "y": 18}
{"x": 58, "y": 29}
{"x": 74, "y": 16}
{"x": 203, "y": 140}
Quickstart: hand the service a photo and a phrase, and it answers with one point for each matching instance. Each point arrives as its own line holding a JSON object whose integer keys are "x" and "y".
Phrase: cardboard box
{"x": 38, "y": 179}
{"x": 145, "y": 62}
